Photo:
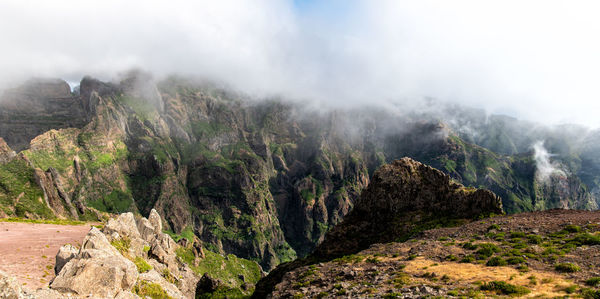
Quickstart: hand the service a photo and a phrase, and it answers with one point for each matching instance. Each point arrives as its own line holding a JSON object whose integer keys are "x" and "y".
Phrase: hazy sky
{"x": 538, "y": 60}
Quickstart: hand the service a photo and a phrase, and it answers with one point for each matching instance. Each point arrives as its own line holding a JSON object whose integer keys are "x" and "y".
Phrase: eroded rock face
{"x": 403, "y": 195}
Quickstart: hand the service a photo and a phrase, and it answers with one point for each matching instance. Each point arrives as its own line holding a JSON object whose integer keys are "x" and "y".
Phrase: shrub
{"x": 515, "y": 260}
{"x": 517, "y": 235}
{"x": 570, "y": 289}
{"x": 153, "y": 290}
{"x": 486, "y": 250}
{"x": 593, "y": 282}
{"x": 467, "y": 259}
{"x": 493, "y": 226}
{"x": 504, "y": 288}
{"x": 141, "y": 264}
{"x": 573, "y": 228}
{"x": 469, "y": 246}
{"x": 591, "y": 294}
{"x": 122, "y": 245}
{"x": 566, "y": 267}
{"x": 496, "y": 261}
{"x": 452, "y": 258}
{"x": 534, "y": 239}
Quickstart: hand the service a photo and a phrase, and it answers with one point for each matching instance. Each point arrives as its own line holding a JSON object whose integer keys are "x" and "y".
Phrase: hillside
{"x": 414, "y": 233}
{"x": 261, "y": 179}
{"x": 539, "y": 254}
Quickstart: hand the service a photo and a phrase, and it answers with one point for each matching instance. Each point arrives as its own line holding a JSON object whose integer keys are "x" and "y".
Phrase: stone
{"x": 124, "y": 225}
{"x": 9, "y": 287}
{"x": 63, "y": 256}
{"x": 146, "y": 229}
{"x": 95, "y": 239}
{"x": 207, "y": 284}
{"x": 101, "y": 276}
{"x": 155, "y": 221}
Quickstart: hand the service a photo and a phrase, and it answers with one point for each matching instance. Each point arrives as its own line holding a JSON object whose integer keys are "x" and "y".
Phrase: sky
{"x": 533, "y": 59}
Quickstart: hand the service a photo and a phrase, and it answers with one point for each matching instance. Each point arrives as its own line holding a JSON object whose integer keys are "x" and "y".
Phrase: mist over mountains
{"x": 340, "y": 53}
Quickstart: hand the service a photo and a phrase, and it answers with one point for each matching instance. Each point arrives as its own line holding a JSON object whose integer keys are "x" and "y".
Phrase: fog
{"x": 535, "y": 60}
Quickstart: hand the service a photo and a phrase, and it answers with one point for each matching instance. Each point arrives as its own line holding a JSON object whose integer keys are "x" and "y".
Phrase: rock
{"x": 10, "y": 288}
{"x": 155, "y": 221}
{"x": 400, "y": 196}
{"x": 6, "y": 153}
{"x": 95, "y": 239}
{"x": 124, "y": 225}
{"x": 98, "y": 269}
{"x": 207, "y": 284}
{"x": 102, "y": 276}
{"x": 63, "y": 256}
{"x": 146, "y": 230}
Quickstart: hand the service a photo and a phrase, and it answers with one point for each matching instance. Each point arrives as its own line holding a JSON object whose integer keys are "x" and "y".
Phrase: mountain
{"x": 262, "y": 179}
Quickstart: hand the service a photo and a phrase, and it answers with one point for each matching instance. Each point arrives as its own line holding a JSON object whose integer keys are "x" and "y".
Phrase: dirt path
{"x": 27, "y": 250}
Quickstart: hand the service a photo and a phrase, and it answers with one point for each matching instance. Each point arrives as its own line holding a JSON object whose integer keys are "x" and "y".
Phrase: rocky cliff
{"x": 36, "y": 107}
{"x": 404, "y": 198}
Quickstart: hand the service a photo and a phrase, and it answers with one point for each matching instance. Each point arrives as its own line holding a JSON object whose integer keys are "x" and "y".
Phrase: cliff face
{"x": 36, "y": 107}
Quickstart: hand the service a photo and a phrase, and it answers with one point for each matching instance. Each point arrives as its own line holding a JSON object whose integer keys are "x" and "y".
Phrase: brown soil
{"x": 27, "y": 250}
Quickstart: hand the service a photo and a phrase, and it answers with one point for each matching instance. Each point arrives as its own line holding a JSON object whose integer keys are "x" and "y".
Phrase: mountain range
{"x": 264, "y": 179}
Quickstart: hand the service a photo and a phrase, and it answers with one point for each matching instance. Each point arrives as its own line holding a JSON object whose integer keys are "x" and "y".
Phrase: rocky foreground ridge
{"x": 133, "y": 258}
{"x": 404, "y": 198}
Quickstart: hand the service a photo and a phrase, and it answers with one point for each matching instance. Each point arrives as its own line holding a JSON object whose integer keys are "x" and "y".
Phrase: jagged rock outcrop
{"x": 402, "y": 199}
{"x": 98, "y": 270}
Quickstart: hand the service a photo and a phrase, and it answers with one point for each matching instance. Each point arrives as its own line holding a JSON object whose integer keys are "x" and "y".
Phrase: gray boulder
{"x": 63, "y": 256}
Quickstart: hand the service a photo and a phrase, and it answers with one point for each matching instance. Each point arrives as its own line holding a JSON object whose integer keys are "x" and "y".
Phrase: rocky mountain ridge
{"x": 264, "y": 180}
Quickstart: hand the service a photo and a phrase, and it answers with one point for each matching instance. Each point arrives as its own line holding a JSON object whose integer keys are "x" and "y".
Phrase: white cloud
{"x": 544, "y": 167}
{"x": 534, "y": 59}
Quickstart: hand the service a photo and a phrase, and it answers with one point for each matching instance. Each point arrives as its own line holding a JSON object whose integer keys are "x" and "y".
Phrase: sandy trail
{"x": 27, "y": 250}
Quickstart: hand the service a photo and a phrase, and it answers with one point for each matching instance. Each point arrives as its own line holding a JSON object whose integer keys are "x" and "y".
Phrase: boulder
{"x": 64, "y": 255}
{"x": 95, "y": 239}
{"x": 101, "y": 275}
{"x": 97, "y": 270}
{"x": 146, "y": 230}
{"x": 207, "y": 284}
{"x": 124, "y": 225}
